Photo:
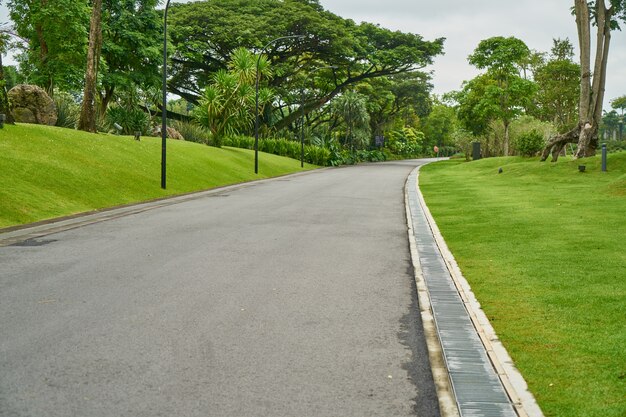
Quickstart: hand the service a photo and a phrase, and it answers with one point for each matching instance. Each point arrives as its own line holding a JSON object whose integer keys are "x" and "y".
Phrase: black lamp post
{"x": 164, "y": 108}
{"x": 256, "y": 100}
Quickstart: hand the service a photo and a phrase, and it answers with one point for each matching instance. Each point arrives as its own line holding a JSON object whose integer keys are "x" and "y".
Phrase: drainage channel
{"x": 477, "y": 387}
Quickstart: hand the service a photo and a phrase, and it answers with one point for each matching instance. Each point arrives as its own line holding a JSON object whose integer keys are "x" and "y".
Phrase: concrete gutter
{"x": 512, "y": 381}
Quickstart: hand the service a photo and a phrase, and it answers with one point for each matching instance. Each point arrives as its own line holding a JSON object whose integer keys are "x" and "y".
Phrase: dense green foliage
{"x": 547, "y": 267}
{"x": 530, "y": 143}
{"x": 50, "y": 172}
{"x": 558, "y": 84}
{"x": 56, "y": 52}
{"x": 504, "y": 94}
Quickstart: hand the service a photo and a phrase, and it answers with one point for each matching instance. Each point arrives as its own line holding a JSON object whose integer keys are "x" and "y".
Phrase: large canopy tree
{"x": 592, "y": 82}
{"x": 508, "y": 94}
{"x": 206, "y": 33}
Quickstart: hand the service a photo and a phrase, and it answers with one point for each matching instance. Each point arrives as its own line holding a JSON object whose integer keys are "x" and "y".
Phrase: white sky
{"x": 464, "y": 23}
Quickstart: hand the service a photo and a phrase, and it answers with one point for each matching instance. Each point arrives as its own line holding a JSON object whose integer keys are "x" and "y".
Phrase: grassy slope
{"x": 544, "y": 249}
{"x": 49, "y": 172}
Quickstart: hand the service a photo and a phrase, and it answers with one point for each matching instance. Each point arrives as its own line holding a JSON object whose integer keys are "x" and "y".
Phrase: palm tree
{"x": 227, "y": 105}
{"x": 351, "y": 108}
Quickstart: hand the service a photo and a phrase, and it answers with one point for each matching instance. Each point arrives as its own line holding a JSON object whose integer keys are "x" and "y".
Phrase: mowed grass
{"x": 49, "y": 172}
{"x": 544, "y": 249}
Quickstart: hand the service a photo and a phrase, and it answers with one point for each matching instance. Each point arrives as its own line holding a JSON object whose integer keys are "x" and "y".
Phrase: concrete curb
{"x": 514, "y": 384}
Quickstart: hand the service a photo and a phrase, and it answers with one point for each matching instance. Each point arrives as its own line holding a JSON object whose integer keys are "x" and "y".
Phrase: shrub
{"x": 68, "y": 111}
{"x": 530, "y": 143}
{"x": 283, "y": 147}
{"x": 192, "y": 132}
{"x": 131, "y": 119}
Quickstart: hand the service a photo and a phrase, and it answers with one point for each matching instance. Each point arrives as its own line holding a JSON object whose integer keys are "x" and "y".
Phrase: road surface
{"x": 292, "y": 297}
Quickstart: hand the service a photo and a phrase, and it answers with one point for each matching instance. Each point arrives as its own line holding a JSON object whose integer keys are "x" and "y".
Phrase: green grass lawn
{"x": 544, "y": 249}
{"x": 49, "y": 172}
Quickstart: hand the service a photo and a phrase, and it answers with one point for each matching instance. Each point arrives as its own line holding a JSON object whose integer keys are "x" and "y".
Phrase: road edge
{"x": 523, "y": 401}
{"x": 445, "y": 394}
{"x": 19, "y": 233}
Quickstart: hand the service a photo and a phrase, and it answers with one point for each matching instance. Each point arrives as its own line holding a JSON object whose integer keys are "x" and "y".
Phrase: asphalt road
{"x": 292, "y": 297}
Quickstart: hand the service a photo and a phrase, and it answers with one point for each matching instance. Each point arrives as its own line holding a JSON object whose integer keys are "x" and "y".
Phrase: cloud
{"x": 465, "y": 23}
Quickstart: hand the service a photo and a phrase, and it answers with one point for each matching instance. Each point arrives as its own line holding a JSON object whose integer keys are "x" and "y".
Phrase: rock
{"x": 171, "y": 133}
{"x": 31, "y": 104}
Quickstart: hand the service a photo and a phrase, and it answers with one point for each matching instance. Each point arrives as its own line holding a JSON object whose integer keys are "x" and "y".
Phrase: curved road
{"x": 291, "y": 297}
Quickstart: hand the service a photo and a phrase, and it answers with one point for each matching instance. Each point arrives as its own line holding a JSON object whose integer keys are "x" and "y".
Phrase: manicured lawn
{"x": 49, "y": 172}
{"x": 544, "y": 249}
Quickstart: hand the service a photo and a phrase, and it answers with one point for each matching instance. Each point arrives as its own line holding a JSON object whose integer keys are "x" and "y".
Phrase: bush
{"x": 283, "y": 147}
{"x": 192, "y": 132}
{"x": 68, "y": 111}
{"x": 530, "y": 143}
{"x": 615, "y": 146}
{"x": 131, "y": 119}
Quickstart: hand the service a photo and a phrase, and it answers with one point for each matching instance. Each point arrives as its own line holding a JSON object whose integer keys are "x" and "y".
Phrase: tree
{"x": 351, "y": 108}
{"x": 56, "y": 31}
{"x": 360, "y": 52}
{"x": 396, "y": 96}
{"x": 611, "y": 124}
{"x": 508, "y": 94}
{"x": 87, "y": 120}
{"x": 132, "y": 35}
{"x": 227, "y": 106}
{"x": 592, "y": 83}
{"x": 558, "y": 82}
{"x": 4, "y": 98}
{"x": 619, "y": 103}
{"x": 440, "y": 125}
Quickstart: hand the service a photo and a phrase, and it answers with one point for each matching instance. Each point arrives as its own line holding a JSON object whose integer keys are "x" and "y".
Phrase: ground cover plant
{"x": 50, "y": 172}
{"x": 543, "y": 248}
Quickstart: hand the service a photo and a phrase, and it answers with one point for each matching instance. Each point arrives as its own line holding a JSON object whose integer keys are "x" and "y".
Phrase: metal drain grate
{"x": 476, "y": 385}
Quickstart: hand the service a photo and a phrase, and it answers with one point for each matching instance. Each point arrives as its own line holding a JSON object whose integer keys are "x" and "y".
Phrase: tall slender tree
{"x": 87, "y": 119}
{"x": 592, "y": 83}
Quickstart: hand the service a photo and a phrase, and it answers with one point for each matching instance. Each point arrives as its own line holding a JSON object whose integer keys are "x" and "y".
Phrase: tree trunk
{"x": 106, "y": 99}
{"x": 4, "y": 97}
{"x": 591, "y": 95}
{"x": 506, "y": 138}
{"x": 87, "y": 121}
{"x": 556, "y": 144}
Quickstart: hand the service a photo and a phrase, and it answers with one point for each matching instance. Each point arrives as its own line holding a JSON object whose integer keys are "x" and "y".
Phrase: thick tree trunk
{"x": 87, "y": 121}
{"x": 591, "y": 94}
{"x": 556, "y": 144}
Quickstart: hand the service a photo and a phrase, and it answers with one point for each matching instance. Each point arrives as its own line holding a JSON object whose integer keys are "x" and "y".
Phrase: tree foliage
{"x": 504, "y": 93}
{"x": 558, "y": 82}
{"x": 132, "y": 47}
{"x": 228, "y": 106}
{"x": 206, "y": 33}
{"x": 56, "y": 32}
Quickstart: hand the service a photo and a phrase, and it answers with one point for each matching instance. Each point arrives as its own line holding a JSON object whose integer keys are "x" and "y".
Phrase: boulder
{"x": 171, "y": 133}
{"x": 31, "y": 104}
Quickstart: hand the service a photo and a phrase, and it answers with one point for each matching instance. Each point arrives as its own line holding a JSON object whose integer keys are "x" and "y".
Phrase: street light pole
{"x": 164, "y": 108}
{"x": 256, "y": 100}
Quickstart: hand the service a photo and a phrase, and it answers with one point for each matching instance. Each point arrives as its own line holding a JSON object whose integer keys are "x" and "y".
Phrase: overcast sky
{"x": 464, "y": 23}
